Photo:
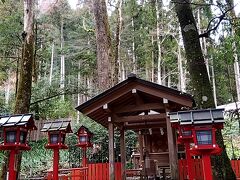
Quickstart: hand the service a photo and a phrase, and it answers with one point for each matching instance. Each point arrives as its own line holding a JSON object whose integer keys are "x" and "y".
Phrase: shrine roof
{"x": 132, "y": 97}
{"x": 18, "y": 120}
{"x": 57, "y": 125}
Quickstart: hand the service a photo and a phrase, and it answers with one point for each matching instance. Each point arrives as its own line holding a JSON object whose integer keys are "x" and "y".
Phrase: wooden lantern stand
{"x": 15, "y": 131}
{"x": 84, "y": 141}
{"x": 206, "y": 150}
{"x": 56, "y": 138}
{"x": 186, "y": 137}
{"x": 203, "y": 125}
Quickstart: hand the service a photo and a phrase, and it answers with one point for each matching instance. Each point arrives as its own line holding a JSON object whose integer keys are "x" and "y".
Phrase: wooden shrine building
{"x": 142, "y": 106}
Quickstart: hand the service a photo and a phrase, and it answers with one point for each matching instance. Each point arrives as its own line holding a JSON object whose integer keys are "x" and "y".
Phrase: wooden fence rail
{"x": 198, "y": 168}
{"x": 100, "y": 171}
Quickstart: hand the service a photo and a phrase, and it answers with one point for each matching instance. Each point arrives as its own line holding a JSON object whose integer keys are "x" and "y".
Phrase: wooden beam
{"x": 143, "y": 126}
{"x": 172, "y": 148}
{"x": 184, "y": 101}
{"x": 138, "y": 99}
{"x": 106, "y": 99}
{"x": 123, "y": 153}
{"x": 142, "y": 118}
{"x": 139, "y": 108}
{"x": 111, "y": 150}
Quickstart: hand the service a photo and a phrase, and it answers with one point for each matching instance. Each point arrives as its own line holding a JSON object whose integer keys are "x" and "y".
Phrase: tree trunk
{"x": 181, "y": 77}
{"x": 199, "y": 81}
{"x": 25, "y": 80}
{"x": 133, "y": 50}
{"x": 79, "y": 82}
{"x": 152, "y": 61}
{"x": 235, "y": 32}
{"x": 62, "y": 72}
{"x": 199, "y": 77}
{"x": 203, "y": 41}
{"x": 159, "y": 62}
{"x": 214, "y": 84}
{"x": 51, "y": 66}
{"x": 118, "y": 63}
{"x": 7, "y": 88}
{"x": 104, "y": 47}
{"x": 23, "y": 96}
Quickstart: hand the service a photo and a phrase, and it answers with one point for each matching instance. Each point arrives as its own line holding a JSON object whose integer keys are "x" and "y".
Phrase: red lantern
{"x": 205, "y": 140}
{"x": 84, "y": 137}
{"x": 84, "y": 141}
{"x": 202, "y": 124}
{"x": 14, "y": 134}
{"x": 57, "y": 131}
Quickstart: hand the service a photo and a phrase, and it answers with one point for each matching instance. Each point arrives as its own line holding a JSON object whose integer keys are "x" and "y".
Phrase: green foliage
{"x": 37, "y": 161}
{"x": 231, "y": 134}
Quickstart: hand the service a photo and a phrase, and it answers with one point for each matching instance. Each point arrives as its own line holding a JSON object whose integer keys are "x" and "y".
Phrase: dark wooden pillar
{"x": 123, "y": 153}
{"x": 172, "y": 148}
{"x": 141, "y": 160}
{"x": 111, "y": 149}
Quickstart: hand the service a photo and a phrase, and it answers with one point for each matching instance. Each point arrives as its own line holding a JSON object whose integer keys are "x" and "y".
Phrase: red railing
{"x": 236, "y": 167}
{"x": 97, "y": 171}
{"x": 100, "y": 171}
{"x": 198, "y": 169}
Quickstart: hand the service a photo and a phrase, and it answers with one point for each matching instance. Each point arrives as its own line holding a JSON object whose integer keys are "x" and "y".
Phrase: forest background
{"x": 145, "y": 39}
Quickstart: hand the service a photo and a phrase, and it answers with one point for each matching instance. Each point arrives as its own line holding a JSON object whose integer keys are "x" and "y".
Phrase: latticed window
{"x": 54, "y": 138}
{"x": 11, "y": 136}
{"x": 83, "y": 139}
{"x": 204, "y": 137}
{"x": 23, "y": 136}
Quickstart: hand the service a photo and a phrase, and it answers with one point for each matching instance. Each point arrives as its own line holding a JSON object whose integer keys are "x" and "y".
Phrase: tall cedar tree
{"x": 23, "y": 95}
{"x": 199, "y": 81}
{"x": 104, "y": 47}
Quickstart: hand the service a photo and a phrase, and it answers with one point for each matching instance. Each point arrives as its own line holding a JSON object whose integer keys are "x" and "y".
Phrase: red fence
{"x": 236, "y": 167}
{"x": 100, "y": 171}
{"x": 197, "y": 168}
{"x": 97, "y": 171}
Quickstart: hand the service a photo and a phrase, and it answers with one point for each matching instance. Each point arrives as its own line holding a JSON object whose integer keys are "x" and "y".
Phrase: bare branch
{"x": 220, "y": 18}
{"x": 56, "y": 95}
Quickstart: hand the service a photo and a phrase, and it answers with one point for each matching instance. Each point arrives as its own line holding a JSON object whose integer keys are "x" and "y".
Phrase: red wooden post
{"x": 84, "y": 158}
{"x": 189, "y": 162}
{"x": 12, "y": 165}
{"x": 55, "y": 163}
{"x": 207, "y": 169}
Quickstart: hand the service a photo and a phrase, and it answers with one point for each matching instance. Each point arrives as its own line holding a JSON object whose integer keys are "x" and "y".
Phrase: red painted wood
{"x": 12, "y": 165}
{"x": 236, "y": 167}
{"x": 89, "y": 171}
{"x": 180, "y": 169}
{"x": 99, "y": 171}
{"x": 189, "y": 162}
{"x": 197, "y": 169}
{"x": 207, "y": 168}
{"x": 118, "y": 171}
{"x": 233, "y": 166}
{"x": 55, "y": 163}
{"x": 105, "y": 171}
